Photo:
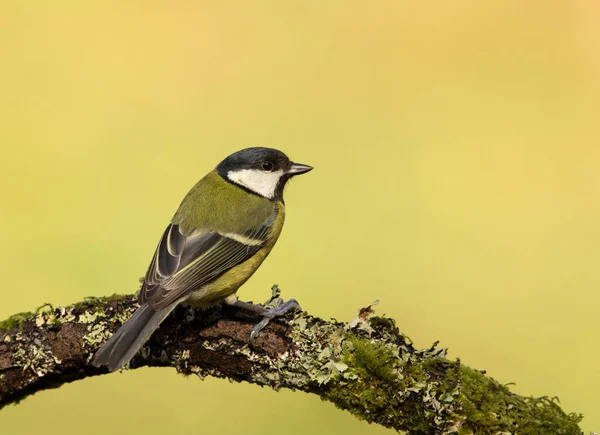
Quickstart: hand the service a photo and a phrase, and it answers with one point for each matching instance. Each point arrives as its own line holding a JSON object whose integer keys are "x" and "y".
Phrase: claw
{"x": 257, "y": 328}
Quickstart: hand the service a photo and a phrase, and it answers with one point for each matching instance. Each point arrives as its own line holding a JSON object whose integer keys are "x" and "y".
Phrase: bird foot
{"x": 281, "y": 309}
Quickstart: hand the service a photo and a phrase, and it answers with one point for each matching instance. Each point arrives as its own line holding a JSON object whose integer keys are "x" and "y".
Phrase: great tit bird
{"x": 221, "y": 233}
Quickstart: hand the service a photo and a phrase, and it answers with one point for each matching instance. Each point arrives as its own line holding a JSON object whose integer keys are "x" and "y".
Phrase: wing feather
{"x": 183, "y": 263}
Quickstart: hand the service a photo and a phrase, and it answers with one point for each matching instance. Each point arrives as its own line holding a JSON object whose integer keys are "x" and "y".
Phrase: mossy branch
{"x": 368, "y": 368}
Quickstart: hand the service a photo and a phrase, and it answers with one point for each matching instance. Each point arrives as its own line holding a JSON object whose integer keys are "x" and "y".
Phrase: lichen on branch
{"x": 366, "y": 367}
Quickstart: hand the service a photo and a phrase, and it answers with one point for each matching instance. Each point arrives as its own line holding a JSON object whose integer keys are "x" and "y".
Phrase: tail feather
{"x": 130, "y": 337}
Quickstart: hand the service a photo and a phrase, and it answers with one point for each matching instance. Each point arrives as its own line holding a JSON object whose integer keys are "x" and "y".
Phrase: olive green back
{"x": 215, "y": 204}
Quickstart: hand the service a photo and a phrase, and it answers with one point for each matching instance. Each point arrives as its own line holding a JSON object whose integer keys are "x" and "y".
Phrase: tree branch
{"x": 368, "y": 368}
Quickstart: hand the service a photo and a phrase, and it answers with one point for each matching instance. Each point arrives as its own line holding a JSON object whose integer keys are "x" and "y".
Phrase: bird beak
{"x": 299, "y": 168}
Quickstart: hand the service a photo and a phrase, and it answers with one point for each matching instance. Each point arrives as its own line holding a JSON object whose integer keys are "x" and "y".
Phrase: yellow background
{"x": 457, "y": 154}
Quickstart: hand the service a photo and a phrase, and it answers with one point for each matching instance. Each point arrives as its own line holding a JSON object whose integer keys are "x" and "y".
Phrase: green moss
{"x": 383, "y": 324}
{"x": 366, "y": 358}
{"x": 490, "y": 407}
{"x": 382, "y": 382}
{"x": 15, "y": 321}
{"x": 386, "y": 384}
{"x": 93, "y": 303}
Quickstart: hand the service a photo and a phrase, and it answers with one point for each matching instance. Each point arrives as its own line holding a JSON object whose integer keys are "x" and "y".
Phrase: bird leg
{"x": 267, "y": 314}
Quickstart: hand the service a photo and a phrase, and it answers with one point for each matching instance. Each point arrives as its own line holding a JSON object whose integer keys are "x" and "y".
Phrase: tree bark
{"x": 366, "y": 367}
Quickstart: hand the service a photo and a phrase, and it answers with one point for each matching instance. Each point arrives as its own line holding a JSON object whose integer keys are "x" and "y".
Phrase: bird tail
{"x": 130, "y": 337}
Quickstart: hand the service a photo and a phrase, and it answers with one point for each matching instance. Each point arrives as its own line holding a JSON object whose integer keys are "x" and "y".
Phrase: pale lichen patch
{"x": 34, "y": 357}
{"x": 181, "y": 360}
{"x": 89, "y": 317}
{"x": 98, "y": 334}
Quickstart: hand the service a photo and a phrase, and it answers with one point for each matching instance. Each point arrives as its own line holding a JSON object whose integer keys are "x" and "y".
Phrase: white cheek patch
{"x": 261, "y": 182}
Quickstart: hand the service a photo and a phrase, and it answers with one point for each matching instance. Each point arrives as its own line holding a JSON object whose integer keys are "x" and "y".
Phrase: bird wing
{"x": 184, "y": 262}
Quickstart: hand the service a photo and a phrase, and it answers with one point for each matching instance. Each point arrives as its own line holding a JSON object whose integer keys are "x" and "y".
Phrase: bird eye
{"x": 267, "y": 166}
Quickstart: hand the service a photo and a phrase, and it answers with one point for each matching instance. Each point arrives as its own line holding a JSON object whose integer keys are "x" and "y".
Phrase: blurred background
{"x": 456, "y": 147}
